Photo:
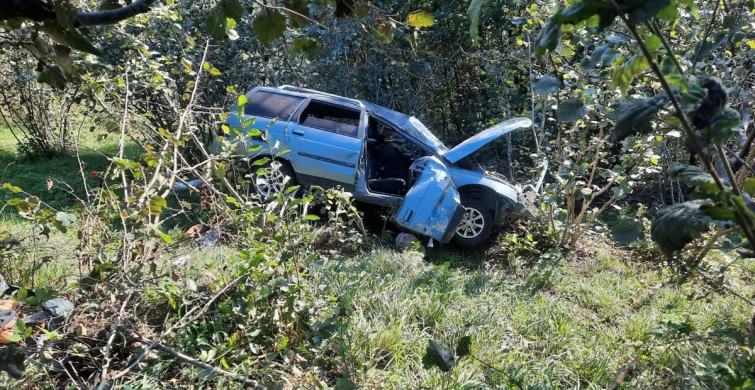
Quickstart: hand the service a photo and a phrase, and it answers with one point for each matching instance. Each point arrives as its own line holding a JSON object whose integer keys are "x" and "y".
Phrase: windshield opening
{"x": 416, "y": 129}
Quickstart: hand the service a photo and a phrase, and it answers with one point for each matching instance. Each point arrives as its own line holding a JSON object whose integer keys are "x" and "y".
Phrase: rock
{"x": 209, "y": 239}
{"x": 408, "y": 241}
{"x": 59, "y": 309}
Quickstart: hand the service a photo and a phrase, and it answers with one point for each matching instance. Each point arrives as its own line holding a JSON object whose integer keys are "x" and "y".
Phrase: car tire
{"x": 476, "y": 225}
{"x": 271, "y": 178}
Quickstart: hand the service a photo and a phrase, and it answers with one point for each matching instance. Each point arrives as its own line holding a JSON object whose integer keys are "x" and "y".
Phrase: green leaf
{"x": 65, "y": 219}
{"x": 77, "y": 41}
{"x": 693, "y": 175}
{"x": 749, "y": 185}
{"x": 166, "y": 237}
{"x": 653, "y": 43}
{"x": 156, "y": 204}
{"x": 547, "y": 39}
{"x": 232, "y": 9}
{"x": 438, "y": 356}
{"x": 384, "y": 30}
{"x": 14, "y": 338}
{"x": 298, "y": 12}
{"x": 670, "y": 13}
{"x": 694, "y": 92}
{"x": 624, "y": 74}
{"x": 463, "y": 348}
{"x": 578, "y": 12}
{"x": 635, "y": 117}
{"x": 571, "y": 110}
{"x": 628, "y": 231}
{"x": 220, "y": 172}
{"x": 677, "y": 225}
{"x": 217, "y": 22}
{"x": 269, "y": 25}
{"x": 344, "y": 384}
{"x": 12, "y": 188}
{"x": 604, "y": 55}
{"x": 642, "y": 11}
{"x": 53, "y": 76}
{"x": 718, "y": 211}
{"x": 723, "y": 126}
{"x": 546, "y": 85}
{"x": 420, "y": 19}
{"x": 474, "y": 17}
{"x": 309, "y": 47}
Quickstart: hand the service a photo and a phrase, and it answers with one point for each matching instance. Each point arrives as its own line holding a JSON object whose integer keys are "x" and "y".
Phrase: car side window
{"x": 331, "y": 117}
{"x": 271, "y": 105}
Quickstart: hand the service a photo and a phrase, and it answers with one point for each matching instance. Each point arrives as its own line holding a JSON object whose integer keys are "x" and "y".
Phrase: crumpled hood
{"x": 474, "y": 143}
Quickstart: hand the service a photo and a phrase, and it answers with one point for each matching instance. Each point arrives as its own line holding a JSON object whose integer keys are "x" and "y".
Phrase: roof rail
{"x": 312, "y": 91}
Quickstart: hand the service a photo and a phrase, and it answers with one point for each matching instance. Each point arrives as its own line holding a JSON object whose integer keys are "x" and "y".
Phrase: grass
{"x": 64, "y": 171}
{"x": 566, "y": 322}
{"x": 599, "y": 314}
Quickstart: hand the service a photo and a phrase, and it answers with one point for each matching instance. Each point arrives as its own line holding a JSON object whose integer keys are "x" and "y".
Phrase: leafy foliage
{"x": 676, "y": 226}
{"x": 571, "y": 110}
{"x": 438, "y": 356}
{"x": 636, "y": 117}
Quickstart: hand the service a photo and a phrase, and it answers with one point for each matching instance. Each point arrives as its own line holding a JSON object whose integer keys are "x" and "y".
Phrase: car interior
{"x": 330, "y": 117}
{"x": 388, "y": 158}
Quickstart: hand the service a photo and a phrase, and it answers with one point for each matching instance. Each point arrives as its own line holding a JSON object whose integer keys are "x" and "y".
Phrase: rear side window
{"x": 271, "y": 105}
{"x": 331, "y": 117}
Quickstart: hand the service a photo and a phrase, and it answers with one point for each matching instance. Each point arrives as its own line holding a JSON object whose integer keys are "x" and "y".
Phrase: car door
{"x": 264, "y": 112}
{"x": 325, "y": 140}
{"x": 432, "y": 206}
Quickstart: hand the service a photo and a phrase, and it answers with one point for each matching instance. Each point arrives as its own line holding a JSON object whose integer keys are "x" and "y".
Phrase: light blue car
{"x": 383, "y": 157}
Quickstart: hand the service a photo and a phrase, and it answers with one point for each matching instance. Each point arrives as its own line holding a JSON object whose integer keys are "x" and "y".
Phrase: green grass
{"x": 67, "y": 172}
{"x": 599, "y": 314}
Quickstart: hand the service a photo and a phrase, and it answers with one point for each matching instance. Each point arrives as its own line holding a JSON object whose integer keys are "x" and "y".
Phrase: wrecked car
{"x": 382, "y": 156}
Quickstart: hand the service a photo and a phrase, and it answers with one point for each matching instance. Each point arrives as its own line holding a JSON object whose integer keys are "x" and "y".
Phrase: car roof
{"x": 384, "y": 113}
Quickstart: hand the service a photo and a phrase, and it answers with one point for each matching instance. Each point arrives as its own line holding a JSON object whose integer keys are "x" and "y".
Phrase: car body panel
{"x": 432, "y": 207}
{"x": 472, "y": 144}
{"x": 316, "y": 152}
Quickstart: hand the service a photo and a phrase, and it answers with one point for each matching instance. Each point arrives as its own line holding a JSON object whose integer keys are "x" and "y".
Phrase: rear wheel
{"x": 272, "y": 178}
{"x": 476, "y": 225}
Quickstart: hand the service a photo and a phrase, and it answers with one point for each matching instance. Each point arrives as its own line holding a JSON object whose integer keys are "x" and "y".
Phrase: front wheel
{"x": 272, "y": 179}
{"x": 476, "y": 225}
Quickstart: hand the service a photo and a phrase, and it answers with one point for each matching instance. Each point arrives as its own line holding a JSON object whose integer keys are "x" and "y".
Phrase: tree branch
{"x": 40, "y": 11}
{"x": 188, "y": 359}
{"x": 112, "y": 16}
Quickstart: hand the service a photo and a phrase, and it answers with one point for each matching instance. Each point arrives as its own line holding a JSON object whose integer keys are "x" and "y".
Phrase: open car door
{"x": 432, "y": 207}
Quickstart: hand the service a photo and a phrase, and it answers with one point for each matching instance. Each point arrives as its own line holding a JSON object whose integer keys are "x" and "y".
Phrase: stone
{"x": 408, "y": 241}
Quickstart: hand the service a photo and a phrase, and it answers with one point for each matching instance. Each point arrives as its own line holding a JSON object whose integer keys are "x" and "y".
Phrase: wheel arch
{"x": 484, "y": 194}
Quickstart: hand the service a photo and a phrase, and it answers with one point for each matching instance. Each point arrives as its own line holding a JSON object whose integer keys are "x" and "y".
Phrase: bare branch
{"x": 114, "y": 15}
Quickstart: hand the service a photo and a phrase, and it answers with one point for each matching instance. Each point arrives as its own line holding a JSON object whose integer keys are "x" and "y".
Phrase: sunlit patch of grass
{"x": 68, "y": 172}
{"x": 576, "y": 333}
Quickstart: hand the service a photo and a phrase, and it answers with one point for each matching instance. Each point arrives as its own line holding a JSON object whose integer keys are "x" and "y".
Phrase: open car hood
{"x": 470, "y": 145}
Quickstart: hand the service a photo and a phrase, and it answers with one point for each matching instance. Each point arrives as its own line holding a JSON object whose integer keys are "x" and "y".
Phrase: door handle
{"x": 408, "y": 216}
{"x": 298, "y": 131}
